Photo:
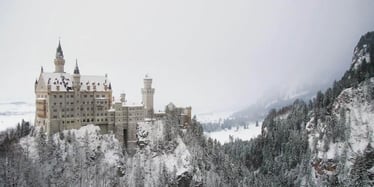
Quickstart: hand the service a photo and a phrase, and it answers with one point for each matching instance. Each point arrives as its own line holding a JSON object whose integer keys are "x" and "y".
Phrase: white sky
{"x": 213, "y": 54}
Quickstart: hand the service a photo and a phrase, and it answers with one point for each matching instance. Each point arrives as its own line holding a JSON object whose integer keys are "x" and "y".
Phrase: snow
{"x": 88, "y": 135}
{"x": 29, "y": 146}
{"x": 241, "y": 133}
{"x": 359, "y": 121}
{"x": 152, "y": 132}
{"x": 214, "y": 117}
{"x": 58, "y": 79}
{"x": 107, "y": 142}
{"x": 12, "y": 113}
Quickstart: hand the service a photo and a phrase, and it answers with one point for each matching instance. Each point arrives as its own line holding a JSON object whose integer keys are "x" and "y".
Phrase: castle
{"x": 68, "y": 101}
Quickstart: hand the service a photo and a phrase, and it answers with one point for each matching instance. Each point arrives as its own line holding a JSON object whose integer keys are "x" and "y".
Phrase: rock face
{"x": 338, "y": 146}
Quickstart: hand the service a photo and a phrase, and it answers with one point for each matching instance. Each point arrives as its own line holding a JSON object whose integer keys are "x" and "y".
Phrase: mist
{"x": 213, "y": 55}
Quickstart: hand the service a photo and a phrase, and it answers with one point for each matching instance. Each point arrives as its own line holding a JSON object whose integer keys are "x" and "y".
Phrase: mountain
{"x": 259, "y": 110}
{"x": 325, "y": 142}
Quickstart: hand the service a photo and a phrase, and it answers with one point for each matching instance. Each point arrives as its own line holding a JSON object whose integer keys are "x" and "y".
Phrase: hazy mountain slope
{"x": 327, "y": 142}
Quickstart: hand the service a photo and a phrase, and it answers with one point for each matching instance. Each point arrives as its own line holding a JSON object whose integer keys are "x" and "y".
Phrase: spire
{"x": 59, "y": 52}
{"x": 76, "y": 70}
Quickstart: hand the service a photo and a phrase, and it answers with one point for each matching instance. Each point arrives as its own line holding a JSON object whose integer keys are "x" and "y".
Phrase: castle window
{"x": 55, "y": 117}
{"x": 85, "y": 95}
{"x": 62, "y": 115}
{"x": 54, "y": 103}
{"x": 60, "y": 96}
{"x": 91, "y": 95}
{"x": 84, "y": 120}
{"x": 103, "y": 96}
{"x": 54, "y": 96}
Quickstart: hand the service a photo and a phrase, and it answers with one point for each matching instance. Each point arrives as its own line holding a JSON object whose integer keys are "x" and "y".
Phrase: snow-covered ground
{"x": 241, "y": 133}
{"x": 12, "y": 113}
{"x": 213, "y": 117}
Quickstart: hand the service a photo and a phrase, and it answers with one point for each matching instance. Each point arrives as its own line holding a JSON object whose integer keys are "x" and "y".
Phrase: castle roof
{"x": 59, "y": 52}
{"x": 64, "y": 82}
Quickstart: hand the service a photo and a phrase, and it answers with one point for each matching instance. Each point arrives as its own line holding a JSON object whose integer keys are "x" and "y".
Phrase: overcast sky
{"x": 211, "y": 54}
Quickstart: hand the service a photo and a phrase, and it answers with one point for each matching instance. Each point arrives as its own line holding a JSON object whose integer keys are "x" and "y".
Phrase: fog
{"x": 213, "y": 55}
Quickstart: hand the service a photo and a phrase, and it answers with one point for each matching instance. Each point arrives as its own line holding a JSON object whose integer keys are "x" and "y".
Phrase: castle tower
{"x": 147, "y": 93}
{"x": 59, "y": 60}
{"x": 76, "y": 77}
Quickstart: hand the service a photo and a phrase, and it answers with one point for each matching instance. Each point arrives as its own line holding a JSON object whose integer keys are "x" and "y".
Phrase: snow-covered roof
{"x": 64, "y": 82}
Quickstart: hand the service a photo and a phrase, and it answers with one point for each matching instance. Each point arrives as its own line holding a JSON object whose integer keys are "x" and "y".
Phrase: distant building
{"x": 69, "y": 101}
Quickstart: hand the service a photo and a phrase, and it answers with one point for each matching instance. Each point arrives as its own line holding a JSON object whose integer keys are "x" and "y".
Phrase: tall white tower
{"x": 59, "y": 60}
{"x": 147, "y": 93}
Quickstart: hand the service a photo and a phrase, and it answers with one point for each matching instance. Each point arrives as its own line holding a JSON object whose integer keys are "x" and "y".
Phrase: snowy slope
{"x": 358, "y": 120}
{"x": 153, "y": 159}
{"x": 85, "y": 150}
{"x": 241, "y": 133}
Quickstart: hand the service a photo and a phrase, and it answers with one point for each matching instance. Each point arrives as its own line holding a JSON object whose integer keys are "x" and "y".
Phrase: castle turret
{"x": 76, "y": 77}
{"x": 147, "y": 93}
{"x": 123, "y": 98}
{"x": 59, "y": 60}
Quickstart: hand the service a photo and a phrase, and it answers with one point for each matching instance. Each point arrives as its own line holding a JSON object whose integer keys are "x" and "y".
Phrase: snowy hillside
{"x": 89, "y": 154}
{"x": 12, "y": 113}
{"x": 353, "y": 111}
{"x": 242, "y": 133}
{"x": 153, "y": 159}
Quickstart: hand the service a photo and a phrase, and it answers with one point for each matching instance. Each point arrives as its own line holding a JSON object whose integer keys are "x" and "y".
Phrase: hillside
{"x": 325, "y": 142}
{"x": 166, "y": 156}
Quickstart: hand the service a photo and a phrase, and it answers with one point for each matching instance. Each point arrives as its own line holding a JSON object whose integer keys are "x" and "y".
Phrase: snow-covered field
{"x": 12, "y": 113}
{"x": 241, "y": 133}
